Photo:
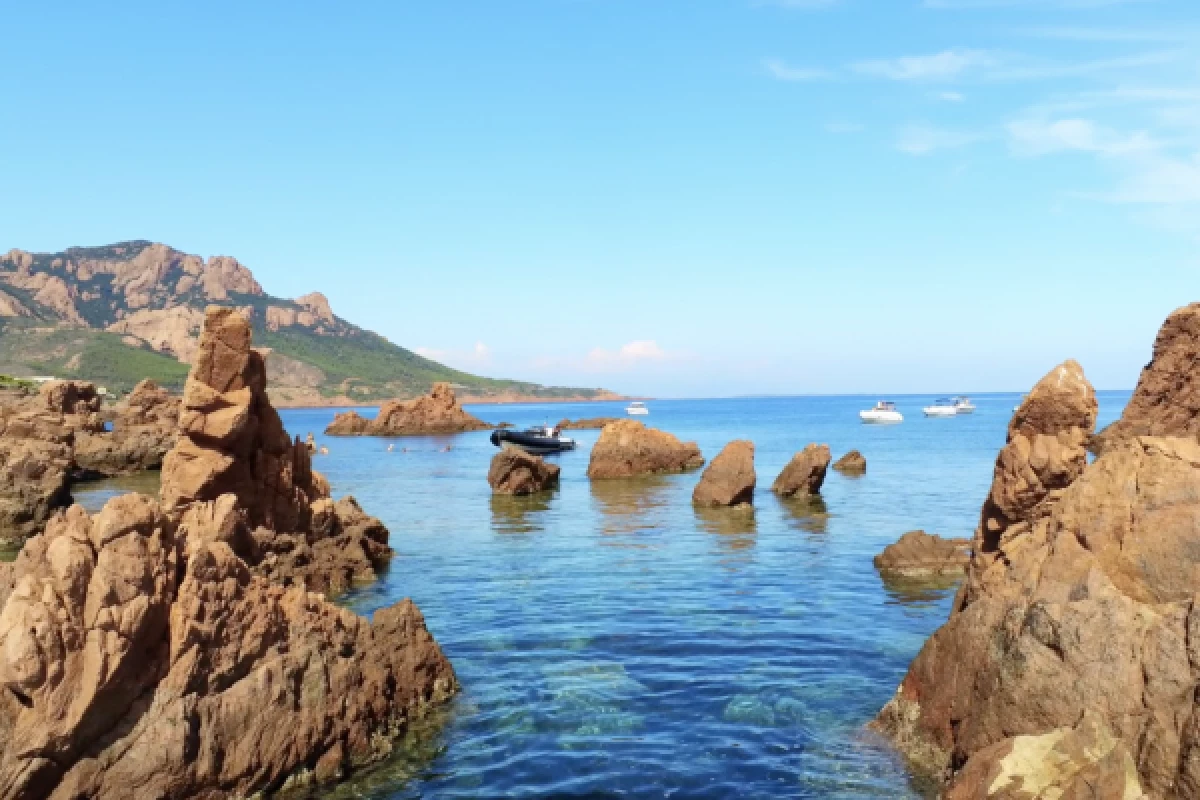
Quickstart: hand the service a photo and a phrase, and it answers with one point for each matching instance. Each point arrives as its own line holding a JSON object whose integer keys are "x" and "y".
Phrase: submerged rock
{"x": 513, "y": 471}
{"x": 729, "y": 480}
{"x": 918, "y": 554}
{"x": 436, "y": 412}
{"x": 1166, "y": 401}
{"x": 591, "y": 423}
{"x": 627, "y": 447}
{"x": 853, "y": 463}
{"x": 805, "y": 473}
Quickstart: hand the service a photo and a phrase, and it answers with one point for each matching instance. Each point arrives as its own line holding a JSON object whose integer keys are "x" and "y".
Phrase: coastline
{"x": 287, "y": 399}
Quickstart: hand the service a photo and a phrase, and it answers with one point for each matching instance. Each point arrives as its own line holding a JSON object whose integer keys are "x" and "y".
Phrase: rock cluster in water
{"x": 729, "y": 480}
{"x": 627, "y": 447}
{"x": 515, "y": 472}
{"x": 591, "y": 423}
{"x": 143, "y": 431}
{"x": 853, "y": 463}
{"x": 918, "y": 554}
{"x": 437, "y": 412}
{"x": 165, "y": 651}
{"x": 805, "y": 473}
{"x": 1069, "y": 664}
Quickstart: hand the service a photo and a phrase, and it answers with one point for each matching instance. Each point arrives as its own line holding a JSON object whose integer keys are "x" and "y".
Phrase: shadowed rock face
{"x": 1166, "y": 401}
{"x": 1079, "y": 603}
{"x": 143, "y": 432}
{"x": 436, "y": 412}
{"x": 918, "y": 554}
{"x": 627, "y": 447}
{"x": 729, "y": 480}
{"x": 853, "y": 463}
{"x": 805, "y": 473}
{"x": 515, "y": 472}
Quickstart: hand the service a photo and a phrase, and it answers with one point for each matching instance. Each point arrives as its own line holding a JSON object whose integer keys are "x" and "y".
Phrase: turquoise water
{"x": 611, "y": 641}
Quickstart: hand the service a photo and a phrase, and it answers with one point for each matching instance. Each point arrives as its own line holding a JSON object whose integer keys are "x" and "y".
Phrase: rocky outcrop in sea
{"x": 515, "y": 472}
{"x": 918, "y": 554}
{"x": 590, "y": 423}
{"x": 853, "y": 463}
{"x": 177, "y": 649}
{"x": 437, "y": 412}
{"x": 627, "y": 447}
{"x": 1069, "y": 664}
{"x": 729, "y": 480}
{"x": 805, "y": 473}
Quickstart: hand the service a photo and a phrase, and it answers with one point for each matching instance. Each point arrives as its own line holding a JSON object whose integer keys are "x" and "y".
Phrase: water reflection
{"x": 631, "y": 505}
{"x": 920, "y": 591}
{"x": 808, "y": 514}
{"x": 734, "y": 531}
{"x": 92, "y": 495}
{"x": 520, "y": 514}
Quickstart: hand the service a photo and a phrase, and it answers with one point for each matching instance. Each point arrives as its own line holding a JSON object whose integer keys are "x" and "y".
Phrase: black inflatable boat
{"x": 534, "y": 440}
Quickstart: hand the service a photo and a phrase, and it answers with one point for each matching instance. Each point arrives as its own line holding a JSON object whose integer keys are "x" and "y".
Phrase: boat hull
{"x": 532, "y": 442}
{"x": 940, "y": 411}
{"x": 881, "y": 417}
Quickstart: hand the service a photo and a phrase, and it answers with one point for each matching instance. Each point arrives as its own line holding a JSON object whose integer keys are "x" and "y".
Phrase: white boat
{"x": 943, "y": 407}
{"x": 883, "y": 412}
{"x": 637, "y": 409}
{"x": 963, "y": 405}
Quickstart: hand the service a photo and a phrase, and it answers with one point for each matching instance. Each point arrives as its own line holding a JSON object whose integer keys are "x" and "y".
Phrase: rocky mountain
{"x": 132, "y": 310}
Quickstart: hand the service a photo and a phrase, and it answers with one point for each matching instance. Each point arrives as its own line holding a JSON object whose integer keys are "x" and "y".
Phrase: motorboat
{"x": 883, "y": 412}
{"x": 537, "y": 440}
{"x": 942, "y": 407}
{"x": 963, "y": 405}
{"x": 637, "y": 409}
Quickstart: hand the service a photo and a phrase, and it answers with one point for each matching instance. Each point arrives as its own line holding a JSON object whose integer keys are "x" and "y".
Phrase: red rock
{"x": 591, "y": 423}
{"x": 143, "y": 432}
{"x": 729, "y": 480}
{"x": 805, "y": 473}
{"x": 853, "y": 463}
{"x": 920, "y": 554}
{"x": 436, "y": 412}
{"x": 627, "y": 447}
{"x": 513, "y": 471}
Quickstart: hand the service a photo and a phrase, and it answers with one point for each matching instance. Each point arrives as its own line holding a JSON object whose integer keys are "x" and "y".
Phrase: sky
{"x": 662, "y": 197}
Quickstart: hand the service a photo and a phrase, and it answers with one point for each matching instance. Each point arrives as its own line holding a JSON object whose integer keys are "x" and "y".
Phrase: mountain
{"x": 133, "y": 310}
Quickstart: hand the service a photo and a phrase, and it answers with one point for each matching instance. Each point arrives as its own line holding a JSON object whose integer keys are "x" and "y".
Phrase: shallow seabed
{"x": 611, "y": 641}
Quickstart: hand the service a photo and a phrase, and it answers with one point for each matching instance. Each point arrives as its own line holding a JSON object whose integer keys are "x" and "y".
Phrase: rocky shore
{"x": 437, "y": 412}
{"x": 182, "y": 647}
{"x": 1069, "y": 664}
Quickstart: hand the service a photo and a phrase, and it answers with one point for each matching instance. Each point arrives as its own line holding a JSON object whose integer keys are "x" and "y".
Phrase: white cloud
{"x": 920, "y": 140}
{"x": 951, "y": 97}
{"x": 633, "y": 355}
{"x": 946, "y": 65}
{"x": 1032, "y": 137}
{"x": 642, "y": 350}
{"x": 478, "y": 356}
{"x": 781, "y": 70}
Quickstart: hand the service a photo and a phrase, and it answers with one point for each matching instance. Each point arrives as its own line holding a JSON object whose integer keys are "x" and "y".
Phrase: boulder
{"x": 437, "y": 412}
{"x": 627, "y": 447}
{"x": 729, "y": 479}
{"x": 70, "y": 397}
{"x": 1079, "y": 604}
{"x": 918, "y": 554}
{"x": 140, "y": 662}
{"x": 35, "y": 464}
{"x": 805, "y": 473}
{"x": 853, "y": 463}
{"x": 513, "y": 471}
{"x": 1166, "y": 401}
{"x": 143, "y": 432}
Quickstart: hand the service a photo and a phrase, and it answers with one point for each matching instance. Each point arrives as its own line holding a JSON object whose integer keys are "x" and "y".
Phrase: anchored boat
{"x": 637, "y": 409}
{"x": 883, "y": 412}
{"x": 943, "y": 407}
{"x": 963, "y": 405}
{"x": 537, "y": 440}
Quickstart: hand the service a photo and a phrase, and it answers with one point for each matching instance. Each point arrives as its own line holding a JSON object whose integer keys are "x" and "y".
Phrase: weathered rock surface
{"x": 142, "y": 660}
{"x": 143, "y": 432}
{"x": 1166, "y": 401}
{"x": 853, "y": 463}
{"x": 918, "y": 554}
{"x": 729, "y": 480}
{"x": 513, "y": 471}
{"x": 173, "y": 330}
{"x": 232, "y": 442}
{"x": 627, "y": 447}
{"x": 437, "y": 412}
{"x": 591, "y": 423}
{"x": 805, "y": 473}
{"x": 1080, "y": 603}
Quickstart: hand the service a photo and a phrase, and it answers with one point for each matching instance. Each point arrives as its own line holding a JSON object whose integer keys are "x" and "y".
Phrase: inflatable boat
{"x": 538, "y": 440}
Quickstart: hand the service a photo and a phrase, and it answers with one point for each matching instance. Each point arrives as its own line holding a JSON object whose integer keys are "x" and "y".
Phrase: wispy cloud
{"x": 1082, "y": 34}
{"x": 1036, "y": 137}
{"x": 807, "y": 5}
{"x": 922, "y": 139}
{"x": 478, "y": 356}
{"x": 951, "y": 97}
{"x": 633, "y": 355}
{"x": 781, "y": 70}
{"x": 946, "y": 65}
{"x": 965, "y": 5}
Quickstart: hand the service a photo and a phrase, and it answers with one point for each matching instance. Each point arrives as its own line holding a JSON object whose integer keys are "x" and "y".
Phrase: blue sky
{"x": 698, "y": 198}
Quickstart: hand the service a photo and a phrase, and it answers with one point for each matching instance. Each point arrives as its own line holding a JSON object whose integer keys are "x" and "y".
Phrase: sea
{"x": 613, "y": 641}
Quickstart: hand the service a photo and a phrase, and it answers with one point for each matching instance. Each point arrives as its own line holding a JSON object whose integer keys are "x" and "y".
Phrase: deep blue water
{"x": 611, "y": 641}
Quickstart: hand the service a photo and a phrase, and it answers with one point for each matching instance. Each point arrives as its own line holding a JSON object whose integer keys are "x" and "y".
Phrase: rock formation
{"x": 513, "y": 471}
{"x": 853, "y": 463}
{"x": 918, "y": 554}
{"x": 1079, "y": 604}
{"x": 1166, "y": 401}
{"x": 143, "y": 431}
{"x": 805, "y": 473}
{"x": 591, "y": 423}
{"x": 145, "y": 660}
{"x": 436, "y": 412}
{"x": 729, "y": 480}
{"x": 627, "y": 447}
